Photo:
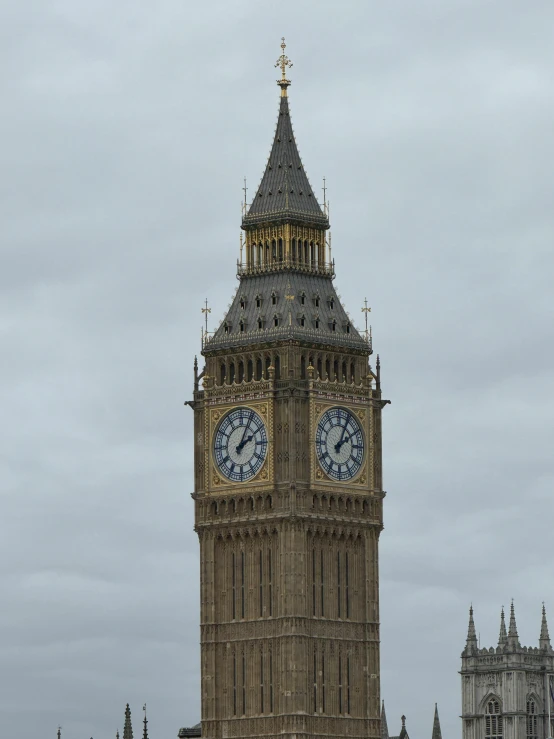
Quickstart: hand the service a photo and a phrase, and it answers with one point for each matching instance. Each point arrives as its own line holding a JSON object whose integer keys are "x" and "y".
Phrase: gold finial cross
{"x": 283, "y": 62}
{"x": 366, "y": 310}
{"x": 205, "y": 311}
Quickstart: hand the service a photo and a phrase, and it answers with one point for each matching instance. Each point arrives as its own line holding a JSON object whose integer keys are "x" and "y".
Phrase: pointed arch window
{"x": 493, "y": 720}
{"x": 258, "y": 301}
{"x": 241, "y": 325}
{"x": 532, "y": 720}
{"x": 276, "y": 320}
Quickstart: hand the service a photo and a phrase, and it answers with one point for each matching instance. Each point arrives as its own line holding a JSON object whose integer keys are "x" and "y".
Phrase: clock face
{"x": 240, "y": 445}
{"x": 339, "y": 444}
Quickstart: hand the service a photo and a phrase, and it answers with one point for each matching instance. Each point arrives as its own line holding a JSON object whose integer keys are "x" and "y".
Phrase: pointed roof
{"x": 285, "y": 193}
{"x": 128, "y": 728}
{"x": 145, "y": 722}
{"x": 384, "y": 726}
{"x": 437, "y": 734}
{"x": 513, "y": 639}
{"x": 471, "y": 641}
{"x": 544, "y": 639}
{"x": 403, "y": 731}
{"x": 502, "y": 637}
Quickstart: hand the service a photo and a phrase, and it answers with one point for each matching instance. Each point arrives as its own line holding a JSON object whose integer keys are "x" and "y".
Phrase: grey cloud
{"x": 125, "y": 134}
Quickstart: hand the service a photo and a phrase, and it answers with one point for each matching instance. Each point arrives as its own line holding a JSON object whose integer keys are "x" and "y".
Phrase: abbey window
{"x": 532, "y": 728}
{"x": 493, "y": 720}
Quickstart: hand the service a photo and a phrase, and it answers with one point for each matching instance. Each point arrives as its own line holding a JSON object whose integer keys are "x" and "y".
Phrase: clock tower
{"x": 288, "y": 482}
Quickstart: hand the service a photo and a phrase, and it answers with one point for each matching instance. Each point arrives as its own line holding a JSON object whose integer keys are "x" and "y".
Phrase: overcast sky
{"x": 126, "y": 130}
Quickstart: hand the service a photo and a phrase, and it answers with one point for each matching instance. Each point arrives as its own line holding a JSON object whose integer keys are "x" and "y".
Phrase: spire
{"x": 403, "y": 731}
{"x": 285, "y": 192}
{"x": 502, "y": 637}
{"x": 128, "y": 728}
{"x": 117, "y": 734}
{"x": 59, "y": 732}
{"x": 145, "y": 722}
{"x": 384, "y": 726}
{"x": 513, "y": 639}
{"x": 544, "y": 639}
{"x": 436, "y": 725}
{"x": 471, "y": 642}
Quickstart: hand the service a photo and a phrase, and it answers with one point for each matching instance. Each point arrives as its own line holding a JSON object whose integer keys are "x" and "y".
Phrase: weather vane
{"x": 283, "y": 62}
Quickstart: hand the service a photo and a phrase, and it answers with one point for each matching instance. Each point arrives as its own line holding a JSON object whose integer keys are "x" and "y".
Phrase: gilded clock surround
{"x": 289, "y": 559}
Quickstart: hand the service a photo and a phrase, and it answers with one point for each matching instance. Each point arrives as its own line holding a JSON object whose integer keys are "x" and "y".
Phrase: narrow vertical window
{"x": 532, "y": 730}
{"x": 242, "y": 578}
{"x": 340, "y": 684}
{"x": 262, "y": 682}
{"x": 270, "y": 580}
{"x": 315, "y": 682}
{"x": 348, "y": 685}
{"x": 234, "y": 586}
{"x": 346, "y": 585}
{"x": 243, "y": 685}
{"x": 338, "y": 585}
{"x": 234, "y": 685}
{"x": 261, "y": 584}
{"x": 271, "y": 682}
{"x": 322, "y": 583}
{"x": 322, "y": 682}
{"x": 313, "y": 583}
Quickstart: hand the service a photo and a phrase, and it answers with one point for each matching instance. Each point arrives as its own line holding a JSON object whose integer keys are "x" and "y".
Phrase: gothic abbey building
{"x": 288, "y": 482}
{"x": 505, "y": 689}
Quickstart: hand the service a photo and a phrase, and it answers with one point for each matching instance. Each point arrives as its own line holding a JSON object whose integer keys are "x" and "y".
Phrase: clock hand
{"x": 338, "y": 446}
{"x": 341, "y": 442}
{"x": 242, "y": 441}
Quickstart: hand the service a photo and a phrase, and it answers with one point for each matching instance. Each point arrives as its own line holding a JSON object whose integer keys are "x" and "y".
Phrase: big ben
{"x": 288, "y": 481}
